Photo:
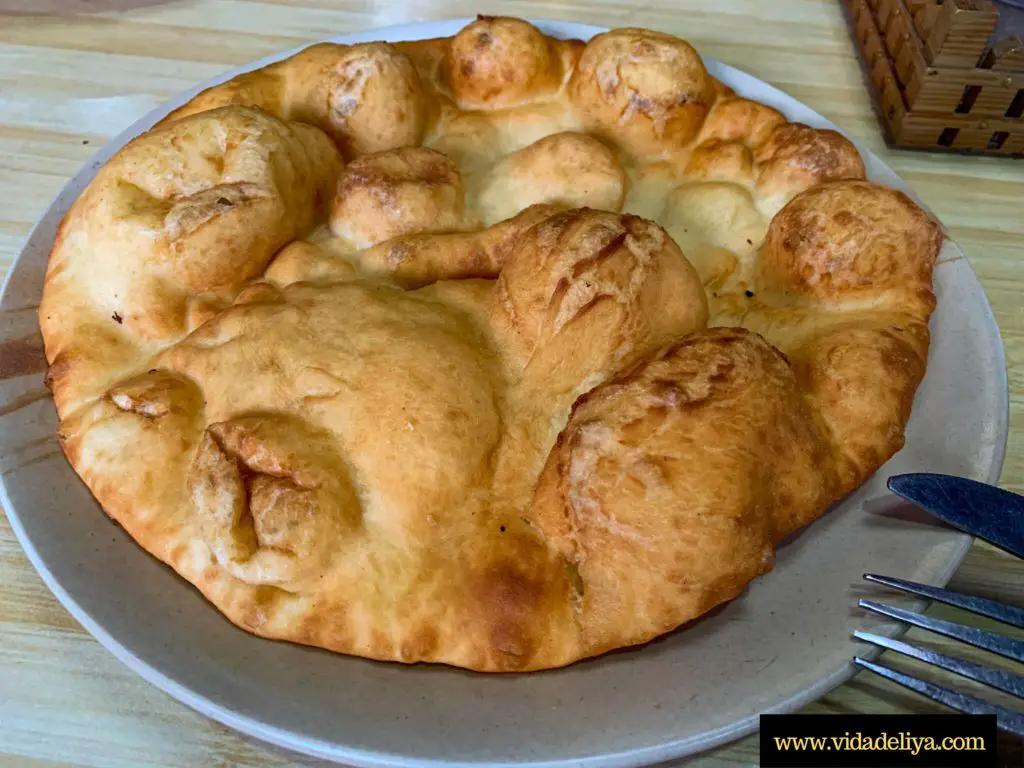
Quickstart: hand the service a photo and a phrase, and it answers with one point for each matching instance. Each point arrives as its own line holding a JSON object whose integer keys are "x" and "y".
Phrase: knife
{"x": 990, "y": 513}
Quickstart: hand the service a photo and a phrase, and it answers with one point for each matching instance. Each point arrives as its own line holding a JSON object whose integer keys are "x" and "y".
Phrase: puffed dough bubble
{"x": 376, "y": 100}
{"x": 850, "y": 236}
{"x": 717, "y": 160}
{"x": 589, "y": 292}
{"x": 795, "y": 157}
{"x": 736, "y": 119}
{"x": 498, "y": 61}
{"x": 572, "y": 170}
{"x": 734, "y": 128}
{"x": 366, "y": 97}
{"x": 394, "y": 193}
{"x": 647, "y": 90}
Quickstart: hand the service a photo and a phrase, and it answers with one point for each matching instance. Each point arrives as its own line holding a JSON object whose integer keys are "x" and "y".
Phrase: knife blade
{"x": 983, "y": 510}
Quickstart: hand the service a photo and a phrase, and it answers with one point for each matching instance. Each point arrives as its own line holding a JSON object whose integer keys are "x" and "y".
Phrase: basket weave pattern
{"x": 940, "y": 81}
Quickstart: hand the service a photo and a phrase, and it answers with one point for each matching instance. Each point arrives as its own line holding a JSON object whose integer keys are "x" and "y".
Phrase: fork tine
{"x": 1007, "y": 719}
{"x": 1007, "y": 614}
{"x": 1002, "y": 679}
{"x": 979, "y": 638}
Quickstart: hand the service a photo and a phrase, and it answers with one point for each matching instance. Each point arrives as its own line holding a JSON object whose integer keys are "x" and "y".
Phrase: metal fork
{"x": 1001, "y": 679}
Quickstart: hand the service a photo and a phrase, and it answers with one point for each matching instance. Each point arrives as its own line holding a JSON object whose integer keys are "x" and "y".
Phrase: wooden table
{"x": 69, "y": 83}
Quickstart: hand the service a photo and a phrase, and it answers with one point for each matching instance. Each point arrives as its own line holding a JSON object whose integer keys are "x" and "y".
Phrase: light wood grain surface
{"x": 68, "y": 83}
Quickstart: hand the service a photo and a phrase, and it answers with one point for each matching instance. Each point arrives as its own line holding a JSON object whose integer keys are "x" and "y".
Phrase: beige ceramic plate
{"x": 783, "y": 643}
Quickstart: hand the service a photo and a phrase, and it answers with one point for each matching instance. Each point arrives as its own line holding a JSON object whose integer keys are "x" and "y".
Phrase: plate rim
{"x": 666, "y": 750}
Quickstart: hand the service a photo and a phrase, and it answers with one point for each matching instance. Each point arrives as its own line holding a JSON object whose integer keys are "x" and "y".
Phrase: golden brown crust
{"x": 737, "y": 119}
{"x": 367, "y": 97}
{"x": 852, "y": 238}
{"x": 413, "y": 261}
{"x": 569, "y": 169}
{"x": 609, "y": 497}
{"x": 589, "y": 292}
{"x": 182, "y": 216}
{"x": 796, "y": 157}
{"x": 457, "y": 401}
{"x": 397, "y": 192}
{"x": 719, "y": 160}
{"x": 268, "y": 514}
{"x": 643, "y": 89}
{"x": 497, "y": 61}
{"x": 861, "y": 378}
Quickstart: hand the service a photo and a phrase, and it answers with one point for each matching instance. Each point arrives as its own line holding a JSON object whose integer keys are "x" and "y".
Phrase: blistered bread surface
{"x": 497, "y": 350}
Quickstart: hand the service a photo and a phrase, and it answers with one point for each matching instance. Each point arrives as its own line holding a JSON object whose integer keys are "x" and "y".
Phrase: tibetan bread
{"x": 497, "y": 350}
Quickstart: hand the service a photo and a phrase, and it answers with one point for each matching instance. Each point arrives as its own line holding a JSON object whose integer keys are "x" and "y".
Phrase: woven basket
{"x": 942, "y": 77}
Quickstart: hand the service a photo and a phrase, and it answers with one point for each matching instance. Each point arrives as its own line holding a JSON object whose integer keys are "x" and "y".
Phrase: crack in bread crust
{"x": 497, "y": 351}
